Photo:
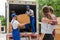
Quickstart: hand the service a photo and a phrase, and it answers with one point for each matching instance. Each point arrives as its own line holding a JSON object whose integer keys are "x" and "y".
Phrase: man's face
{"x": 28, "y": 9}
{"x": 15, "y": 17}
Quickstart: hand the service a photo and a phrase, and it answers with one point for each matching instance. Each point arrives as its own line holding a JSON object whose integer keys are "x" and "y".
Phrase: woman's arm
{"x": 54, "y": 19}
{"x": 50, "y": 21}
{"x": 46, "y": 20}
{"x": 42, "y": 36}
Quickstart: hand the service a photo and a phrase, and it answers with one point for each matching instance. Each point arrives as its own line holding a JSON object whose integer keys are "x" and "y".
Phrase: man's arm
{"x": 27, "y": 13}
{"x": 21, "y": 25}
{"x": 31, "y": 13}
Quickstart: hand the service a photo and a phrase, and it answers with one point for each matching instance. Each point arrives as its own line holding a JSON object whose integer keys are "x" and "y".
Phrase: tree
{"x": 54, "y": 3}
{"x": 3, "y": 20}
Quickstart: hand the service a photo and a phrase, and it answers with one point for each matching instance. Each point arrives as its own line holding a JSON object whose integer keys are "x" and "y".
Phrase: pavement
{"x": 2, "y": 36}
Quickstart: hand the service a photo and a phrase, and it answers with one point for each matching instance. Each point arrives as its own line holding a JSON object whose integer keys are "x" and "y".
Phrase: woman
{"x": 15, "y": 25}
{"x": 48, "y": 24}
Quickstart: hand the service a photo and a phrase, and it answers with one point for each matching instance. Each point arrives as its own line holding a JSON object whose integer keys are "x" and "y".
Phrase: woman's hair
{"x": 46, "y": 10}
{"x": 51, "y": 9}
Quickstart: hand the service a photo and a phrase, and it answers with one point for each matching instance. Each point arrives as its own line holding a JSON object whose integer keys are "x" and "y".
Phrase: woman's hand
{"x": 46, "y": 20}
{"x": 42, "y": 36}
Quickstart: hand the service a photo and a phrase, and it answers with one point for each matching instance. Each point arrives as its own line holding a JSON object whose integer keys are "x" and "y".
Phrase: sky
{"x": 2, "y": 7}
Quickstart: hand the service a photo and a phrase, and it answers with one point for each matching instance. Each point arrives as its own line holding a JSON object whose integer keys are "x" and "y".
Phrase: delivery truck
{"x": 19, "y": 6}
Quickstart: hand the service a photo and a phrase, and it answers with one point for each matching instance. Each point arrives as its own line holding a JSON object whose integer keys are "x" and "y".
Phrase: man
{"x": 15, "y": 25}
{"x": 30, "y": 12}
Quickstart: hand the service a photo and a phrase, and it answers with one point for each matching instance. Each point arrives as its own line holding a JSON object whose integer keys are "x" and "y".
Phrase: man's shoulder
{"x": 31, "y": 10}
{"x": 16, "y": 21}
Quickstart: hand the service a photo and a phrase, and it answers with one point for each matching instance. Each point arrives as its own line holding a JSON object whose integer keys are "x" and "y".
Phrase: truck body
{"x": 19, "y": 7}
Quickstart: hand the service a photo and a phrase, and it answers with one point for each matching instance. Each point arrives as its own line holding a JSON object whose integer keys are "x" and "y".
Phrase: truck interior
{"x": 21, "y": 9}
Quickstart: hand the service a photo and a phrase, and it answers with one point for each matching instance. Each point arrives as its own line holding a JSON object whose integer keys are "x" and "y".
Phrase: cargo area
{"x": 21, "y": 9}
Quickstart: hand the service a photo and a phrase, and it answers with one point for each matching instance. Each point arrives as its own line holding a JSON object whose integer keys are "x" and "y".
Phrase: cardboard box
{"x": 10, "y": 27}
{"x": 23, "y": 18}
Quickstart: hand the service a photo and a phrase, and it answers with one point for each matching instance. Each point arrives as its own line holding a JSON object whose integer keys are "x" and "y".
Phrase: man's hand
{"x": 21, "y": 25}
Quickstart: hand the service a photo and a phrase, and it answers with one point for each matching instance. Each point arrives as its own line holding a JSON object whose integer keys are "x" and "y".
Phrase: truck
{"x": 20, "y": 8}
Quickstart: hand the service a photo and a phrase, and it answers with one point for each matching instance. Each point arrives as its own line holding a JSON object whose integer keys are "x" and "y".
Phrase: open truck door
{"x": 20, "y": 9}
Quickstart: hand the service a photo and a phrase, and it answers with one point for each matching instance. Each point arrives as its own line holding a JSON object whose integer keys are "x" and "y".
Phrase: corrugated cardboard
{"x": 23, "y": 18}
{"x": 10, "y": 27}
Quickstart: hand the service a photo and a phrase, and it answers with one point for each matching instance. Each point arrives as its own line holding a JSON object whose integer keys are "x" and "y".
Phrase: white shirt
{"x": 30, "y": 12}
{"x": 47, "y": 28}
{"x": 14, "y": 24}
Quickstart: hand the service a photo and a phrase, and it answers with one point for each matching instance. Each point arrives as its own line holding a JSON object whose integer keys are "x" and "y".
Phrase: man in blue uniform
{"x": 30, "y": 12}
{"x": 15, "y": 25}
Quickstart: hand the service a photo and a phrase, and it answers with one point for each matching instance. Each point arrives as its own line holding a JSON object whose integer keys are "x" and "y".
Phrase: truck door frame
{"x": 37, "y": 16}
